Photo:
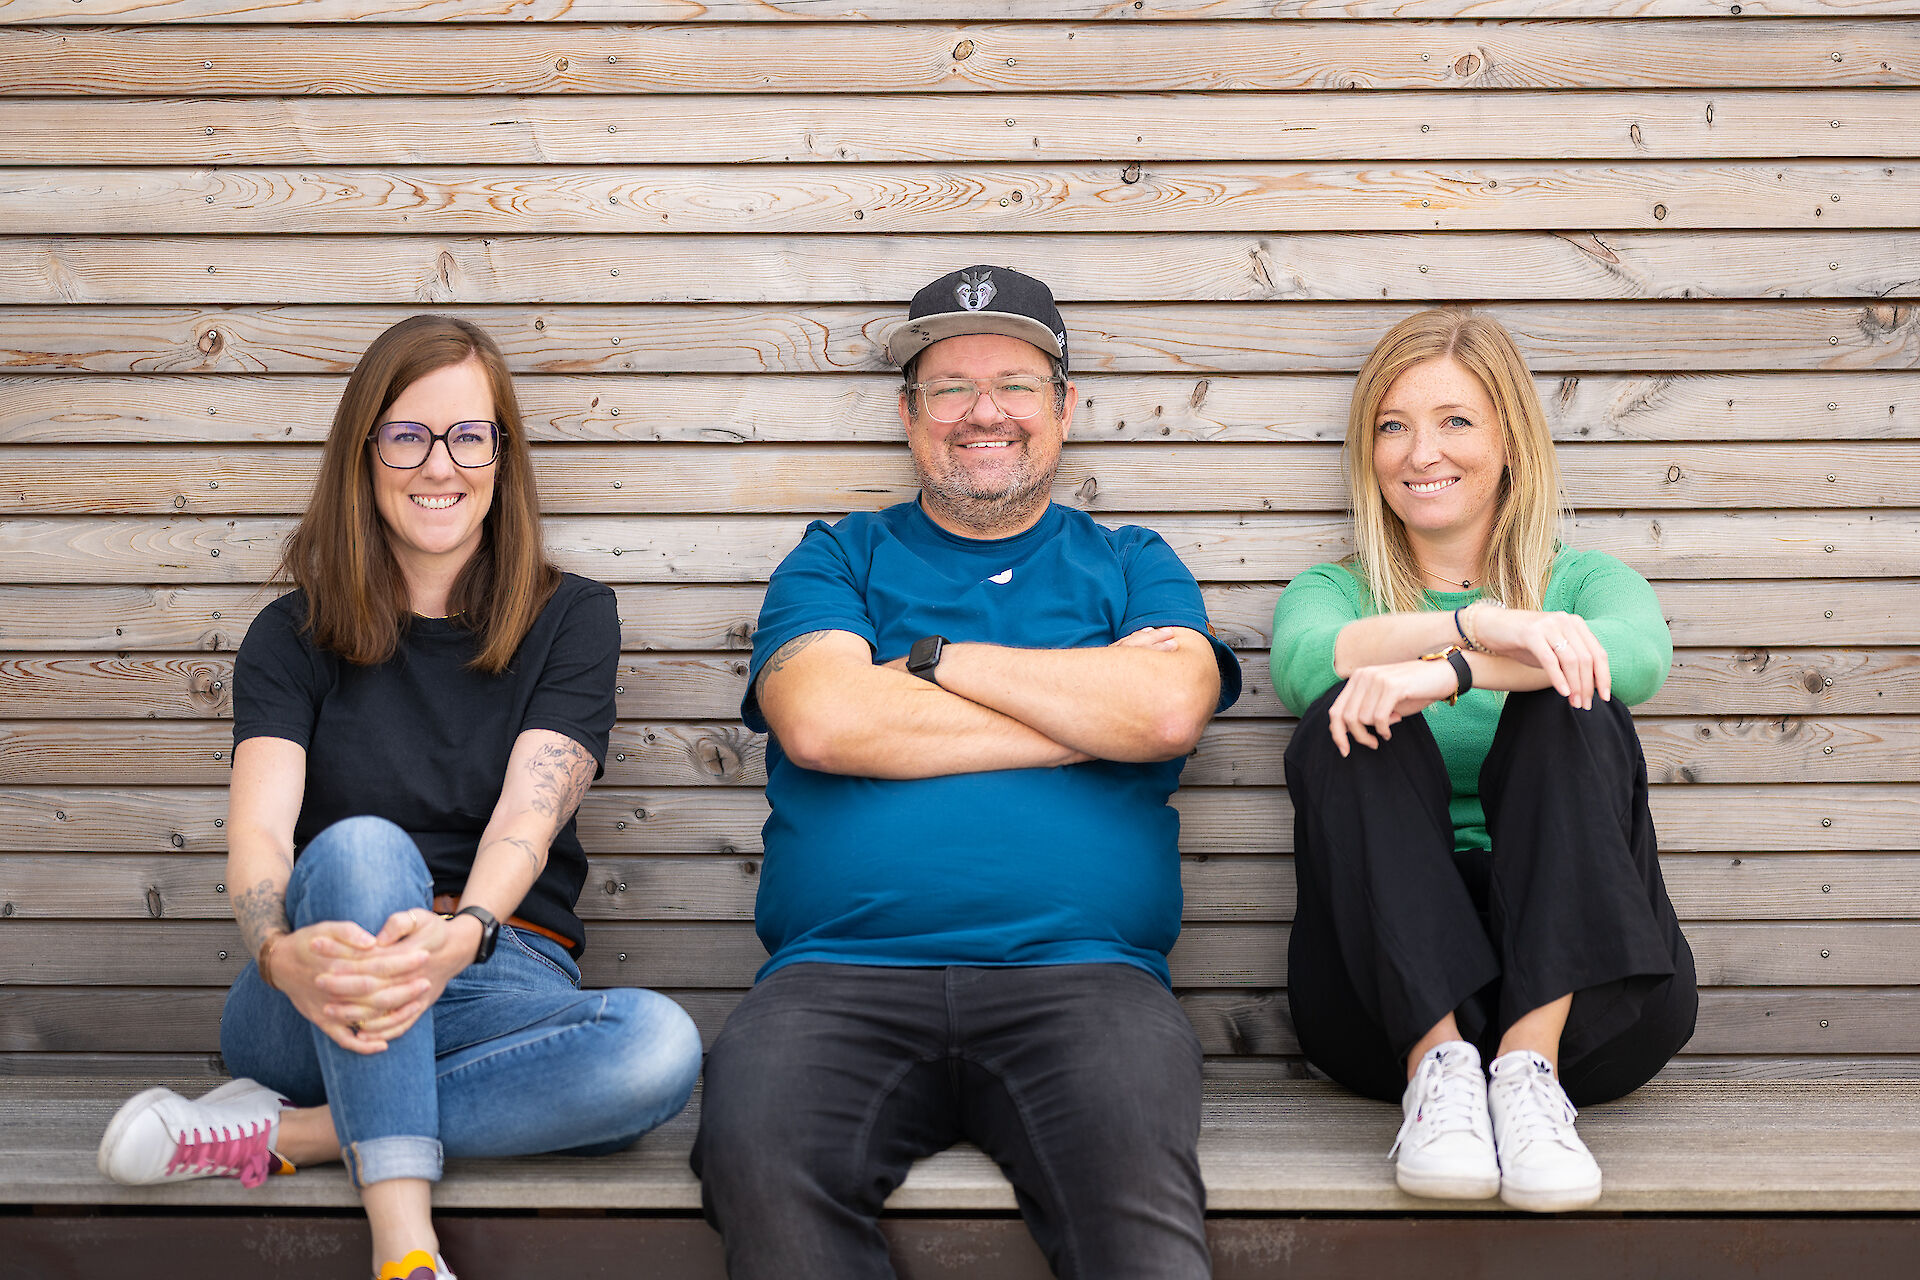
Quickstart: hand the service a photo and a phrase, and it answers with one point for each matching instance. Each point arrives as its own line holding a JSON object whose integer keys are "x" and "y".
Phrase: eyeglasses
{"x": 951, "y": 399}
{"x": 406, "y": 446}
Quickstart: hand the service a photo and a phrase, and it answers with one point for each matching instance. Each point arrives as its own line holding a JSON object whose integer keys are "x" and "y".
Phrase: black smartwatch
{"x": 1462, "y": 673}
{"x": 489, "y": 931}
{"x": 925, "y": 656}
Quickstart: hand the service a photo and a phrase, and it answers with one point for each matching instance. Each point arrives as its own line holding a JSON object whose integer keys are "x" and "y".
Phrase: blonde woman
{"x": 1476, "y": 863}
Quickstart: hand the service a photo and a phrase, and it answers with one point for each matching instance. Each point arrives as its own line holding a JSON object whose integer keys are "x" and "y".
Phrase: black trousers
{"x": 1395, "y": 928}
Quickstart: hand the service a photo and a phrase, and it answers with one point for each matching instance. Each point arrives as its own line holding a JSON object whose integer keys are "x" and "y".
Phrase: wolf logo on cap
{"x": 975, "y": 290}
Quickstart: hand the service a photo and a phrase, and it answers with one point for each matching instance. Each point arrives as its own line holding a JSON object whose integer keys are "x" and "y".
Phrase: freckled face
{"x": 1437, "y": 451}
{"x": 436, "y": 513}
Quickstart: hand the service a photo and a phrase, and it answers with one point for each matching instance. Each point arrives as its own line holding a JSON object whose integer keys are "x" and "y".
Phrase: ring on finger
{"x": 1560, "y": 644}
{"x": 354, "y": 1027}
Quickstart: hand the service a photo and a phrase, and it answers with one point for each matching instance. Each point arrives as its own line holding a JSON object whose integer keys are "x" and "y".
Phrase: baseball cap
{"x": 982, "y": 299}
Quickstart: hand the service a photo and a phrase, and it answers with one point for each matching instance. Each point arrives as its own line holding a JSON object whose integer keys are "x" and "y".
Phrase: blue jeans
{"x": 829, "y": 1080}
{"x": 513, "y": 1059}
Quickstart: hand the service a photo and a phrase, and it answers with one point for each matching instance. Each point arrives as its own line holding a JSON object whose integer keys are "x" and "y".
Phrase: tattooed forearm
{"x": 561, "y": 773}
{"x": 533, "y": 855}
{"x": 787, "y": 653}
{"x": 262, "y": 912}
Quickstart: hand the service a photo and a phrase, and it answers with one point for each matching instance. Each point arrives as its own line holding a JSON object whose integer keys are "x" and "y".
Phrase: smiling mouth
{"x": 434, "y": 501}
{"x": 1431, "y": 486}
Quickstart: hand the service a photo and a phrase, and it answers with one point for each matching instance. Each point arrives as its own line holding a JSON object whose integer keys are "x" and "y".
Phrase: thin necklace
{"x": 1466, "y": 584}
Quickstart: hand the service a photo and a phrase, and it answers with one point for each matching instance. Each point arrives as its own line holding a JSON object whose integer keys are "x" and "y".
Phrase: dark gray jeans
{"x": 1081, "y": 1081}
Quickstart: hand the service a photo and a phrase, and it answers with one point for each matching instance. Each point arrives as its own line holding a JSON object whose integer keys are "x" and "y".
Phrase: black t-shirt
{"x": 423, "y": 739}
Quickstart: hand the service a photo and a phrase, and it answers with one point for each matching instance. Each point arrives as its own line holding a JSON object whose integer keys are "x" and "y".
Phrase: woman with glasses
{"x": 1475, "y": 859}
{"x": 414, "y": 728}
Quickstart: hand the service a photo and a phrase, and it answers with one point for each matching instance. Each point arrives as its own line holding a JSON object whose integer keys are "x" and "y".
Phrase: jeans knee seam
{"x": 599, "y": 1011}
{"x": 1068, "y": 1229}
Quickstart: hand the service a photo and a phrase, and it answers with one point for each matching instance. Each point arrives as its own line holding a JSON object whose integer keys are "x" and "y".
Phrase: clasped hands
{"x": 364, "y": 990}
{"x": 1560, "y": 645}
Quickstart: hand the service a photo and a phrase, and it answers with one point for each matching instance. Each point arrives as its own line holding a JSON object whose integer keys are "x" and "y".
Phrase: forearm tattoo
{"x": 526, "y": 847}
{"x": 262, "y": 912}
{"x": 561, "y": 774}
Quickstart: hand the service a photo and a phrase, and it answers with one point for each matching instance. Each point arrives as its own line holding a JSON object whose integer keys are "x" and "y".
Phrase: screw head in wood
{"x": 1825, "y": 954}
{"x": 1826, "y": 822}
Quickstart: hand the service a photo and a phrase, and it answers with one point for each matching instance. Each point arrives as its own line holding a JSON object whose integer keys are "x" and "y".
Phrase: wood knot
{"x": 715, "y": 758}
{"x": 211, "y": 342}
{"x": 1131, "y": 174}
{"x": 1468, "y": 65}
{"x": 963, "y": 51}
{"x": 1089, "y": 489}
{"x": 154, "y": 905}
{"x": 1200, "y": 390}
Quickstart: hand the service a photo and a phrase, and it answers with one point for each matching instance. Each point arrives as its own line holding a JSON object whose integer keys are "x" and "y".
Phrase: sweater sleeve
{"x": 1306, "y": 622}
{"x": 1625, "y": 616}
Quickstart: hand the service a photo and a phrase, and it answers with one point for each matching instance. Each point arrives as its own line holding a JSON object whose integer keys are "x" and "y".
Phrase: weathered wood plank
{"x": 727, "y": 820}
{"x": 852, "y": 128}
{"x": 1232, "y": 888}
{"x": 1243, "y": 1025}
{"x": 891, "y": 57}
{"x": 1166, "y": 267}
{"x": 729, "y": 549}
{"x": 770, "y": 11}
{"x": 1247, "y": 337}
{"x": 1802, "y": 613}
{"x": 708, "y": 956}
{"x": 1219, "y": 408}
{"x": 1122, "y": 196}
{"x": 661, "y": 479}
{"x": 1748, "y": 682}
{"x": 1237, "y": 752}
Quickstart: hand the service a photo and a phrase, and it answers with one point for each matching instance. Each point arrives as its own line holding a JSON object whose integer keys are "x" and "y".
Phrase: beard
{"x": 989, "y": 500}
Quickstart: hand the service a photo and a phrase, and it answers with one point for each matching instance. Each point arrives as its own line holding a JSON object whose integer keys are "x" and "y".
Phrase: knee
{"x": 655, "y": 1058}
{"x": 358, "y": 865}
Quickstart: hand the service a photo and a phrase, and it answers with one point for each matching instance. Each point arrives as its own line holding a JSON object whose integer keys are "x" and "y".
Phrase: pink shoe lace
{"x": 243, "y": 1156}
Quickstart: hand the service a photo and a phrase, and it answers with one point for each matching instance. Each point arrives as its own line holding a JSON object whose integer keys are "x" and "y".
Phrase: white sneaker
{"x": 159, "y": 1136}
{"x": 1445, "y": 1146}
{"x": 1544, "y": 1167}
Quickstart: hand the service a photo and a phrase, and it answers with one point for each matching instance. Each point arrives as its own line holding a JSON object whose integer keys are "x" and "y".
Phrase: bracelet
{"x": 1463, "y": 623}
{"x": 1462, "y": 630}
{"x": 265, "y": 962}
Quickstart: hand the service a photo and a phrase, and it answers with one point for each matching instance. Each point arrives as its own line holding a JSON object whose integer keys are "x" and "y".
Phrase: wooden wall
{"x": 690, "y": 226}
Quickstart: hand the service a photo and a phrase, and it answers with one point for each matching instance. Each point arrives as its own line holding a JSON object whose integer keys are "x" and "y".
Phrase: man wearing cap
{"x": 979, "y": 703}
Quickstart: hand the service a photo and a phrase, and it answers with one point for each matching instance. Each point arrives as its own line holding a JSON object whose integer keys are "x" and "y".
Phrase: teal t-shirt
{"x": 1068, "y": 865}
{"x": 1619, "y": 607}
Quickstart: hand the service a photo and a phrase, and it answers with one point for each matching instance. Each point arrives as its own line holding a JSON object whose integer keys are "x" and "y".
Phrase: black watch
{"x": 489, "y": 931}
{"x": 1462, "y": 672}
{"x": 925, "y": 656}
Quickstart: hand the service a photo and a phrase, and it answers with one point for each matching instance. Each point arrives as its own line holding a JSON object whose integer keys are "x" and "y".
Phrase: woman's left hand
{"x": 449, "y": 946}
{"x": 1378, "y": 697}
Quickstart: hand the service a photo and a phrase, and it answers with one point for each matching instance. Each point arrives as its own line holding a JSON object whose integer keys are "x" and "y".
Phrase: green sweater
{"x": 1617, "y": 603}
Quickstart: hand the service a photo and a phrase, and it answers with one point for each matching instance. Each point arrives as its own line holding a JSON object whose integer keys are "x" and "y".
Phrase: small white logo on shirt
{"x": 1004, "y": 576}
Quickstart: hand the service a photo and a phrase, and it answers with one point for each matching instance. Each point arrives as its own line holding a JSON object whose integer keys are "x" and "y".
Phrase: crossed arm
{"x": 1145, "y": 697}
{"x": 364, "y": 989}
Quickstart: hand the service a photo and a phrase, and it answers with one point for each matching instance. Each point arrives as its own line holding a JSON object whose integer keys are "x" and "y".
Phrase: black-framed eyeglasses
{"x": 951, "y": 399}
{"x": 405, "y": 446}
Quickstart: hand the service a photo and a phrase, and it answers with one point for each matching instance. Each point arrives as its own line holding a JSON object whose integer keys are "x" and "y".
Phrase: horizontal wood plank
{"x": 1667, "y": 337}
{"x": 877, "y": 199}
{"x": 1163, "y": 267}
{"x": 667, "y": 479}
{"x": 1746, "y": 682}
{"x": 780, "y": 11}
{"x": 853, "y": 128}
{"x": 1800, "y": 613}
{"x": 231, "y": 409}
{"x": 709, "y": 956}
{"x": 1233, "y": 752}
{"x": 947, "y": 57}
{"x": 732, "y": 549}
{"x": 1868, "y": 818}
{"x": 1218, "y": 889}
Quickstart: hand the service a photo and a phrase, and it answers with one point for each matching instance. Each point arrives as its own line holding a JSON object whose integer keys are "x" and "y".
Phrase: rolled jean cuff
{"x": 380, "y": 1159}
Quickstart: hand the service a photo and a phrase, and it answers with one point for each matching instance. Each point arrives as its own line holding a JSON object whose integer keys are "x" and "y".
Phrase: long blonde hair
{"x": 1526, "y": 529}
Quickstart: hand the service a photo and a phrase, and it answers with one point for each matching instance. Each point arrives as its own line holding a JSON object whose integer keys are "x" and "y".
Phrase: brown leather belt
{"x": 446, "y": 904}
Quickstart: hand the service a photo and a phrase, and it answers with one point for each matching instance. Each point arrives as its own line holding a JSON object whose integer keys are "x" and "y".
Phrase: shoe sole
{"x": 1550, "y": 1199}
{"x": 1447, "y": 1186}
{"x": 141, "y": 1102}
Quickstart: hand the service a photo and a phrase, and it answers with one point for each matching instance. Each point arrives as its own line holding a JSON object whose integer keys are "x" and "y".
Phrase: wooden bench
{"x": 690, "y": 236}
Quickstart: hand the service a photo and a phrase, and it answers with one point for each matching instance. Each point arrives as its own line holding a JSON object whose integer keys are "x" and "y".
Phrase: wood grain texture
{"x": 947, "y": 57}
{"x": 877, "y": 199}
{"x": 1163, "y": 266}
{"x": 1217, "y": 888}
{"x": 236, "y": 409}
{"x": 1667, "y": 337}
{"x": 1815, "y": 612}
{"x": 1236, "y": 752}
{"x": 769, "y": 11}
{"x": 672, "y": 479}
{"x": 854, "y": 128}
{"x": 730, "y": 549}
{"x": 1867, "y": 818}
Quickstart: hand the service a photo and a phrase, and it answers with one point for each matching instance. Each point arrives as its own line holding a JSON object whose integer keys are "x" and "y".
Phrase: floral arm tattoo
{"x": 561, "y": 772}
{"x": 262, "y": 912}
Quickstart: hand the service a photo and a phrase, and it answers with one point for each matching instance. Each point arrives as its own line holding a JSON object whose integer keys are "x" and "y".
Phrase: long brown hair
{"x": 357, "y": 604}
{"x": 1531, "y": 508}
